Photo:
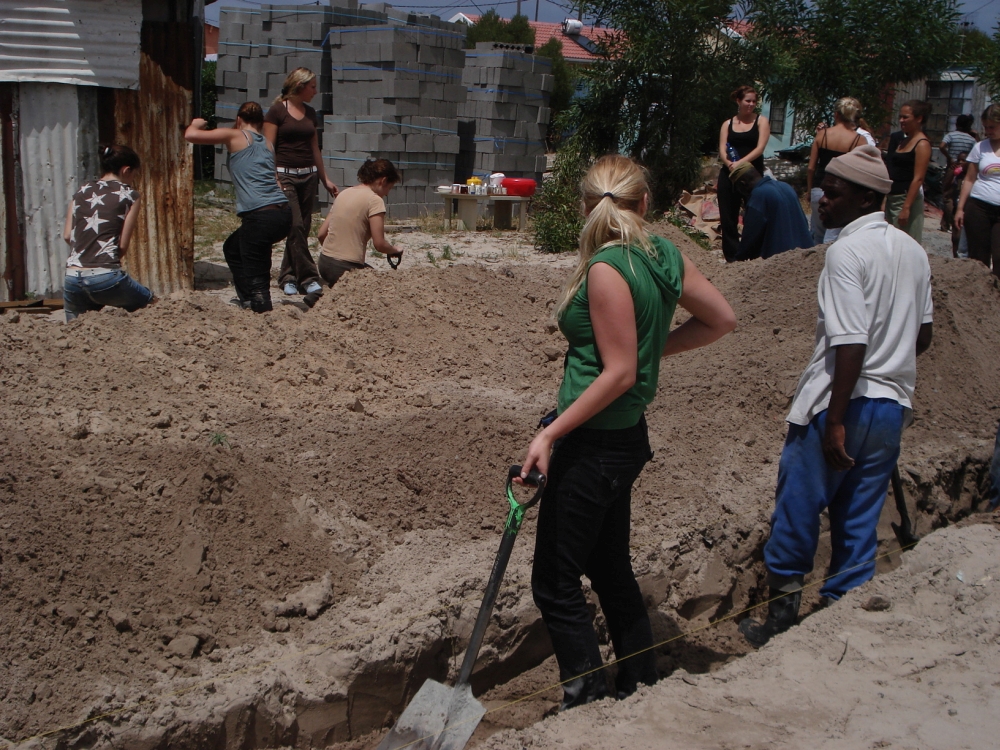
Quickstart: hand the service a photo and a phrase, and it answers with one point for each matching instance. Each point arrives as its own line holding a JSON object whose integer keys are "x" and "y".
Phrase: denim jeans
{"x": 807, "y": 485}
{"x": 115, "y": 288}
{"x": 584, "y": 522}
{"x": 993, "y": 493}
{"x": 248, "y": 253}
{"x": 297, "y": 264}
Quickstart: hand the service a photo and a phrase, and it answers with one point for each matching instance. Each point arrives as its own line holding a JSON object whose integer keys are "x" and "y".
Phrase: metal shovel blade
{"x": 438, "y": 718}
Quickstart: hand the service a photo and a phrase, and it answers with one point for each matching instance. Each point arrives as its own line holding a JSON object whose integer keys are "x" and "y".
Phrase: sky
{"x": 983, "y": 14}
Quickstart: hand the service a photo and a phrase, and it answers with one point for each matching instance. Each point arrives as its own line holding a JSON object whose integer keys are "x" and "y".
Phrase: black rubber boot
{"x": 782, "y": 612}
{"x": 584, "y": 689}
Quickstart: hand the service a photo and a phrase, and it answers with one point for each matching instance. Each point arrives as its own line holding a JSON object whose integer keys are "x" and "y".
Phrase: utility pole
{"x": 536, "y": 10}
{"x": 518, "y": 7}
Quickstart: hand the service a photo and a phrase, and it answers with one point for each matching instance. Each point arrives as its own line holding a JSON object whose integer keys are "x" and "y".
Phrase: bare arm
{"x": 848, "y": 361}
{"x": 711, "y": 316}
{"x": 970, "y": 178}
{"x": 197, "y": 134}
{"x": 324, "y": 228}
{"x": 612, "y": 314}
{"x": 813, "y": 157}
{"x": 271, "y": 133}
{"x": 722, "y": 145}
{"x": 130, "y": 220}
{"x": 331, "y": 188}
{"x": 68, "y": 225}
{"x": 924, "y": 337}
{"x": 764, "y": 132}
{"x": 377, "y": 225}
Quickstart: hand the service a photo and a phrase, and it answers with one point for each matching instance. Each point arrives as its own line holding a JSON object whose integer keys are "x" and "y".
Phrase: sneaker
{"x": 313, "y": 287}
{"x": 290, "y": 288}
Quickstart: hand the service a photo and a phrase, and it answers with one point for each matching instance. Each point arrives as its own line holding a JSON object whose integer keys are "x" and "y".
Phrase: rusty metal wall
{"x": 84, "y": 42}
{"x": 49, "y": 127}
{"x": 151, "y": 121}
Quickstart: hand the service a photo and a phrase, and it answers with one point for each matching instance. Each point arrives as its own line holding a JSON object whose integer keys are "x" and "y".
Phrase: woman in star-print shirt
{"x": 99, "y": 225}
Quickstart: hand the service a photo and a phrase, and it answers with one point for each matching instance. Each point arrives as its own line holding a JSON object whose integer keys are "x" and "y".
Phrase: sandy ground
{"x": 909, "y": 660}
{"x": 229, "y": 530}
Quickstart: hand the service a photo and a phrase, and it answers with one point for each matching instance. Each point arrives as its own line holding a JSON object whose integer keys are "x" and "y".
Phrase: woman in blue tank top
{"x": 260, "y": 203}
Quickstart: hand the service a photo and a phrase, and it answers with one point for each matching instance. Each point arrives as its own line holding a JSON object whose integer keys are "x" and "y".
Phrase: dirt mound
{"x": 184, "y": 488}
{"x": 922, "y": 674}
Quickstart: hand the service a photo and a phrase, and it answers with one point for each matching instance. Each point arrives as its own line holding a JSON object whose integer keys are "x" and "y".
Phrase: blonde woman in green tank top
{"x": 615, "y": 313}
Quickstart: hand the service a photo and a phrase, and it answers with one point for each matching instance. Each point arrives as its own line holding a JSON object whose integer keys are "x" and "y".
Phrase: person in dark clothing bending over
{"x": 774, "y": 220}
{"x": 854, "y": 397}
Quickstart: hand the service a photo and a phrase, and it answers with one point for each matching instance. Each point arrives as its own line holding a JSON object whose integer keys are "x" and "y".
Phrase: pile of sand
{"x": 299, "y": 510}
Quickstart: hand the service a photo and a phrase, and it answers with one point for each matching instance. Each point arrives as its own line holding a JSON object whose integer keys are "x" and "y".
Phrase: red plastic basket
{"x": 521, "y": 186}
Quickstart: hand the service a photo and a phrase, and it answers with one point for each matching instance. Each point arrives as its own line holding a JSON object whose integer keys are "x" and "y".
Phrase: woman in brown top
{"x": 290, "y": 127}
{"x": 358, "y": 215}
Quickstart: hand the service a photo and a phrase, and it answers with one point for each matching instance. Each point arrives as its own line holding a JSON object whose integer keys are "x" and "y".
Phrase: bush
{"x": 558, "y": 218}
{"x": 492, "y": 28}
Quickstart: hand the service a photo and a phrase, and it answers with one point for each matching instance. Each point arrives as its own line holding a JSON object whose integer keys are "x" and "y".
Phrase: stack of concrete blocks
{"x": 396, "y": 91}
{"x": 259, "y": 48}
{"x": 504, "y": 120}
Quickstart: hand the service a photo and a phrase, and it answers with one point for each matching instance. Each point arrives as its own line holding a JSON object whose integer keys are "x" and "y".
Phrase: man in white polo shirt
{"x": 854, "y": 397}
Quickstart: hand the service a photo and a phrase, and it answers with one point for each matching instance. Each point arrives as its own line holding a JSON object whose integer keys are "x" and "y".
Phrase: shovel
{"x": 903, "y": 529}
{"x": 444, "y": 718}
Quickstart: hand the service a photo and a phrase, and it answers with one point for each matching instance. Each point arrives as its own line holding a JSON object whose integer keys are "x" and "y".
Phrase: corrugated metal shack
{"x": 75, "y": 73}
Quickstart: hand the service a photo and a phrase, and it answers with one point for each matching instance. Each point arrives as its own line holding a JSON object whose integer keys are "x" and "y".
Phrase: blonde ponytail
{"x": 613, "y": 190}
{"x": 294, "y": 82}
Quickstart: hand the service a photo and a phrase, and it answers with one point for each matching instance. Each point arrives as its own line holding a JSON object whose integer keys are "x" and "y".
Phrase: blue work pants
{"x": 807, "y": 485}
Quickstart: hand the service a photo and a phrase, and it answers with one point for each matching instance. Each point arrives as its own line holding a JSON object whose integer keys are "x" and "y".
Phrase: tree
{"x": 812, "y": 53}
{"x": 492, "y": 28}
{"x": 652, "y": 94}
{"x": 987, "y": 65}
{"x": 564, "y": 83}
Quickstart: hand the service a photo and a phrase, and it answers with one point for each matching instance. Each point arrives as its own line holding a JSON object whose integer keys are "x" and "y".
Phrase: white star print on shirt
{"x": 108, "y": 247}
{"x": 73, "y": 261}
{"x": 102, "y": 183}
{"x": 96, "y": 200}
{"x": 124, "y": 193}
{"x": 94, "y": 223}
{"x": 85, "y": 188}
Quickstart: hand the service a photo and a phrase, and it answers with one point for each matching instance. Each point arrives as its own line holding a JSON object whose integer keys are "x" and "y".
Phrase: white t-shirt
{"x": 875, "y": 289}
{"x": 987, "y": 184}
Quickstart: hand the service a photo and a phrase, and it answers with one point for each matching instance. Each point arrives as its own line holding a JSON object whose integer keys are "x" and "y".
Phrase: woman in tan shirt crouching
{"x": 357, "y": 215}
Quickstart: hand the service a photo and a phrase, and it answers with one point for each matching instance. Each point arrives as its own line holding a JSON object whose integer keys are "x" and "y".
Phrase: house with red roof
{"x": 580, "y": 42}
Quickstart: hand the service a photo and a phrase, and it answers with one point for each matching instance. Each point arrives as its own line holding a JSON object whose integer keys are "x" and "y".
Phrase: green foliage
{"x": 219, "y": 438}
{"x": 648, "y": 97}
{"x": 986, "y": 64}
{"x": 558, "y": 218}
{"x": 492, "y": 28}
{"x": 565, "y": 83}
{"x": 815, "y": 52}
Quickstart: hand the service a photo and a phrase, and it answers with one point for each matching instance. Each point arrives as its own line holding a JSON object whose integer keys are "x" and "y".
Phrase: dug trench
{"x": 231, "y": 531}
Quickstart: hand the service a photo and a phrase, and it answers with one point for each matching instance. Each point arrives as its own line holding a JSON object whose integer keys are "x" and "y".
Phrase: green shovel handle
{"x": 516, "y": 515}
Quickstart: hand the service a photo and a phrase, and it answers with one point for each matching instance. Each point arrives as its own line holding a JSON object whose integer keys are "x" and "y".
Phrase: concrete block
{"x": 399, "y": 53}
{"x": 234, "y": 80}
{"x": 334, "y": 141}
{"x": 544, "y": 115}
{"x": 369, "y": 125}
{"x": 415, "y": 177}
{"x": 391, "y": 143}
{"x": 344, "y": 105}
{"x": 431, "y": 91}
{"x": 227, "y": 17}
{"x": 511, "y": 78}
{"x": 419, "y": 142}
{"x": 360, "y": 142}
{"x": 446, "y": 144}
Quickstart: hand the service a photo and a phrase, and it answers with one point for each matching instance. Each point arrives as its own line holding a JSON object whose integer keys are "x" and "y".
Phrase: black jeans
{"x": 248, "y": 253}
{"x": 982, "y": 228}
{"x": 297, "y": 264}
{"x": 730, "y": 201}
{"x": 584, "y": 522}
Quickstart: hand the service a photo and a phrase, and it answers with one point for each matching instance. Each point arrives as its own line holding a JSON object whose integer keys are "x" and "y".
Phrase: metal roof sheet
{"x": 83, "y": 42}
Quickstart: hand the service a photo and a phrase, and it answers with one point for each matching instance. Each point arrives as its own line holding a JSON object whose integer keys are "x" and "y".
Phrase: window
{"x": 777, "y": 117}
{"x": 948, "y": 100}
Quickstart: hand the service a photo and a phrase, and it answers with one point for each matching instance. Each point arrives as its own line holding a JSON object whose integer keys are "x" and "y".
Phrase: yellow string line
{"x": 328, "y": 644}
{"x": 711, "y": 624}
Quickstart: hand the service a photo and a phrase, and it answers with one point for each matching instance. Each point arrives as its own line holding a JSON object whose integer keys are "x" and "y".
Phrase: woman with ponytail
{"x": 263, "y": 209}
{"x": 290, "y": 127}
{"x": 99, "y": 225}
{"x": 615, "y": 313}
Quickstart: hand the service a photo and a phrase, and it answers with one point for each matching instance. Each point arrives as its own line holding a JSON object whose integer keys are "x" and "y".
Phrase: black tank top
{"x": 825, "y": 155}
{"x": 746, "y": 142}
{"x": 901, "y": 165}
